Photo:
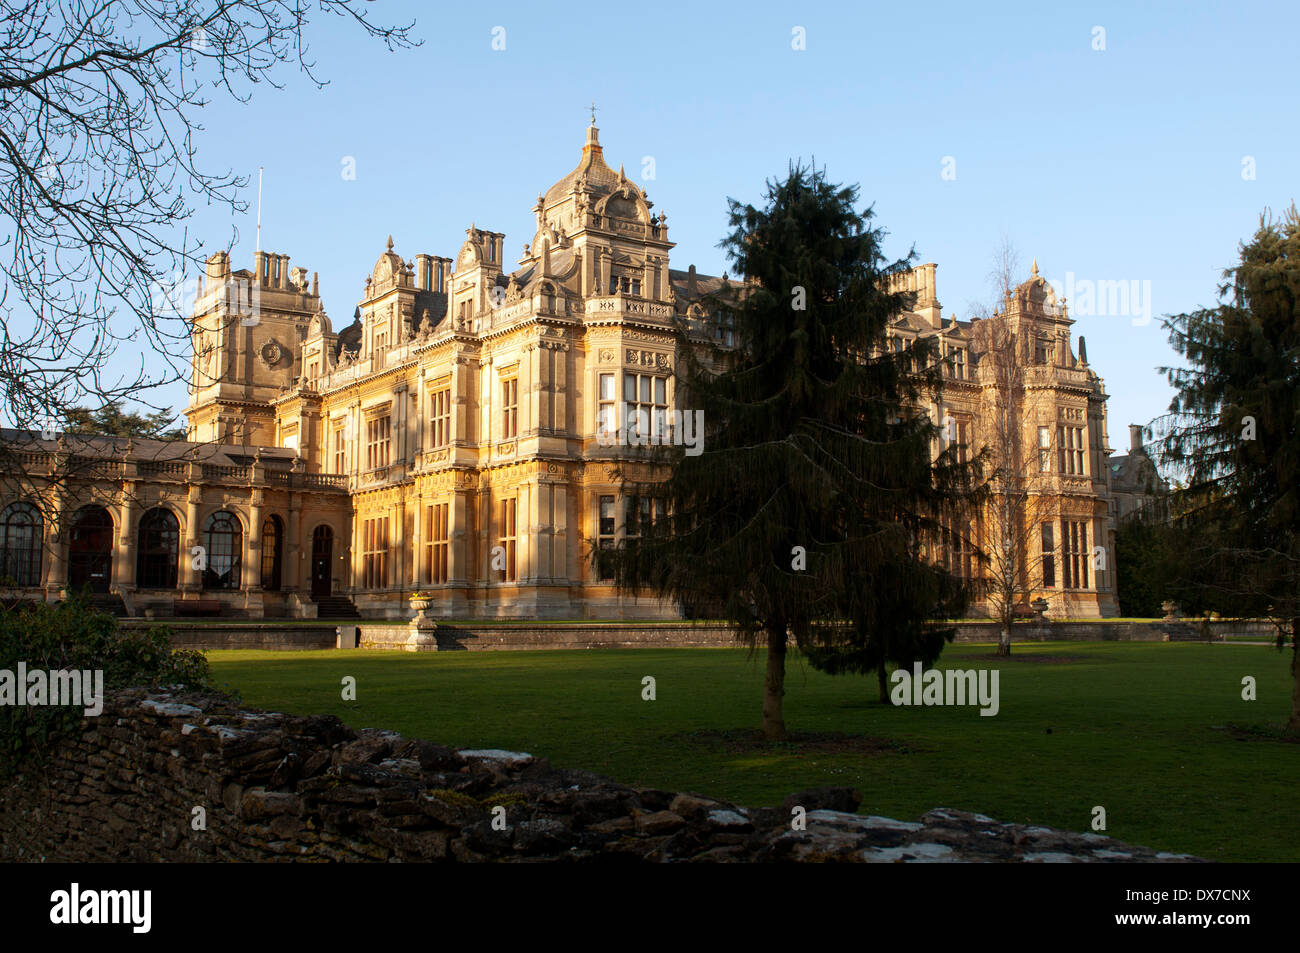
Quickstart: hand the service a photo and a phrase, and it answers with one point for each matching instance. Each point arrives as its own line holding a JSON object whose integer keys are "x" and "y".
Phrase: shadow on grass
{"x": 746, "y": 741}
{"x": 1269, "y": 731}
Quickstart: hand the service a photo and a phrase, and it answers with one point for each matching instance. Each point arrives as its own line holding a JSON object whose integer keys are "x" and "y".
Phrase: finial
{"x": 593, "y": 112}
{"x": 1035, "y": 267}
{"x": 390, "y": 242}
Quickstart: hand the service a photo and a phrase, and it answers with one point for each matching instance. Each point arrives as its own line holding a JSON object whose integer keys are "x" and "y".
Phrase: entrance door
{"x": 322, "y": 553}
{"x": 90, "y": 550}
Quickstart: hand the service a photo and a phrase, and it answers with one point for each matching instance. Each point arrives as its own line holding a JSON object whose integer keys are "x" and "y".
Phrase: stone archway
{"x": 90, "y": 550}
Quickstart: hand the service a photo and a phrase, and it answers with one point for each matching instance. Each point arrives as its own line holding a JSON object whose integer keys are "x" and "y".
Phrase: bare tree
{"x": 1012, "y": 555}
{"x": 99, "y": 107}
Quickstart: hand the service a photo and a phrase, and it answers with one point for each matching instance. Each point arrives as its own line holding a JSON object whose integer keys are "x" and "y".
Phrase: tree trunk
{"x": 884, "y": 687}
{"x": 774, "y": 687}
{"x": 1004, "y": 641}
{"x": 1293, "y": 726}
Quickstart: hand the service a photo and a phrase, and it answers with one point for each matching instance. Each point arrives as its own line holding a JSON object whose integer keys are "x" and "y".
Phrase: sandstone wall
{"x": 274, "y": 787}
{"x": 488, "y": 636}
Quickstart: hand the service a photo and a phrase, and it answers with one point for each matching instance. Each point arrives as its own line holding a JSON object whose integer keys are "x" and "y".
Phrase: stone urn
{"x": 423, "y": 636}
{"x": 1171, "y": 610}
{"x": 1039, "y": 606}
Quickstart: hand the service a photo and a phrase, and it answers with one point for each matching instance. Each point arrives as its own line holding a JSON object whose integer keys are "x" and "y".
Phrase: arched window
{"x": 272, "y": 548}
{"x": 157, "y": 550}
{"x": 223, "y": 539}
{"x": 21, "y": 530}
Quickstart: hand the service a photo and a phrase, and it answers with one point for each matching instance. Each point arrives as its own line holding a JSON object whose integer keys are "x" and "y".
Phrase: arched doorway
{"x": 322, "y": 555}
{"x": 90, "y": 550}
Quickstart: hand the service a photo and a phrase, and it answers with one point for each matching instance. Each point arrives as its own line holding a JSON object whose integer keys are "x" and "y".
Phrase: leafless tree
{"x": 99, "y": 111}
{"x": 1014, "y": 517}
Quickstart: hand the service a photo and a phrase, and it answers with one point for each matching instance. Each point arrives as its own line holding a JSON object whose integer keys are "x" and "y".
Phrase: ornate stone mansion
{"x": 447, "y": 441}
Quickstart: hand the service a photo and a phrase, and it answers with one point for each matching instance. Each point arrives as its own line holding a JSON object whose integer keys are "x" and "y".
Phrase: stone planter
{"x": 423, "y": 636}
{"x": 1171, "y": 610}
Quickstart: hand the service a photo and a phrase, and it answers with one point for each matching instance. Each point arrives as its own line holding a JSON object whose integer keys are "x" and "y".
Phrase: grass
{"x": 1155, "y": 733}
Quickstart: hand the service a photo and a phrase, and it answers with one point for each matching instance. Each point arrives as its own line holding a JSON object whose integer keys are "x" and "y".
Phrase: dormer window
{"x": 629, "y": 286}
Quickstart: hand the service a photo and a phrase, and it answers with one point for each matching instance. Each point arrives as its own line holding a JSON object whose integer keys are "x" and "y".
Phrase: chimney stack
{"x": 1135, "y": 438}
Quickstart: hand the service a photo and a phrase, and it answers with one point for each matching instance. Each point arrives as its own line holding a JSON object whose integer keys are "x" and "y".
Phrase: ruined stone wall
{"x": 137, "y": 781}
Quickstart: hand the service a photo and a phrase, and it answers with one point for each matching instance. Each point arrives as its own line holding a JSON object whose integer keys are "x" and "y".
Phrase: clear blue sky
{"x": 1117, "y": 164}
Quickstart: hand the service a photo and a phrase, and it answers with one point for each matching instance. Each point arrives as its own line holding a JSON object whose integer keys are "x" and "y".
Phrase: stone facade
{"x": 448, "y": 441}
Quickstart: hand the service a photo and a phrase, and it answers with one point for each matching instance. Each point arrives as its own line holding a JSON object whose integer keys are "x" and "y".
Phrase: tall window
{"x": 379, "y": 439}
{"x": 960, "y": 435}
{"x": 958, "y": 550}
{"x": 645, "y": 400}
{"x": 157, "y": 550}
{"x": 1048, "y": 556}
{"x": 641, "y": 513}
{"x": 510, "y": 408}
{"x": 340, "y": 449}
{"x": 224, "y": 538}
{"x": 437, "y": 543}
{"x": 1044, "y": 449}
{"x": 508, "y": 538}
{"x": 21, "y": 529}
{"x": 440, "y": 413}
{"x": 272, "y": 552}
{"x": 374, "y": 553}
{"x": 959, "y": 363}
{"x": 726, "y": 329}
{"x": 1069, "y": 451}
{"x": 1074, "y": 559}
{"x": 605, "y": 538}
{"x": 605, "y": 418}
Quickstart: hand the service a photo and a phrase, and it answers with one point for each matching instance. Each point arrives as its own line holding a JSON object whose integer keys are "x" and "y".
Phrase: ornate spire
{"x": 1035, "y": 273}
{"x": 390, "y": 242}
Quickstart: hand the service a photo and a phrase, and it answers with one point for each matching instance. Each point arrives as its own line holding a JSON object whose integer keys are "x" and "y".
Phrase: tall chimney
{"x": 1134, "y": 438}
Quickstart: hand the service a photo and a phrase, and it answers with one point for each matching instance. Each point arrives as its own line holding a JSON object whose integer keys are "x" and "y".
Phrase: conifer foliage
{"x": 1233, "y": 430}
{"x": 808, "y": 519}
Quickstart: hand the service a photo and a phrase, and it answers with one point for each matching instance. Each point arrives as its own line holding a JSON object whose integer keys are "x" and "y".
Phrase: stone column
{"x": 251, "y": 575}
{"x": 191, "y": 578}
{"x": 397, "y": 545}
{"x": 418, "y": 558}
{"x": 56, "y": 544}
{"x": 539, "y": 557}
{"x": 459, "y": 569}
{"x": 559, "y": 543}
{"x": 559, "y": 389}
{"x": 124, "y": 551}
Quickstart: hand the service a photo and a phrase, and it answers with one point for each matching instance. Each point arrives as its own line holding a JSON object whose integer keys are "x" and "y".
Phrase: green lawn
{"x": 1156, "y": 733}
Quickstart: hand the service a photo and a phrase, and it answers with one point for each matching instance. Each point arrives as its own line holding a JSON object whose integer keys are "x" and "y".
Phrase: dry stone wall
{"x": 188, "y": 777}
